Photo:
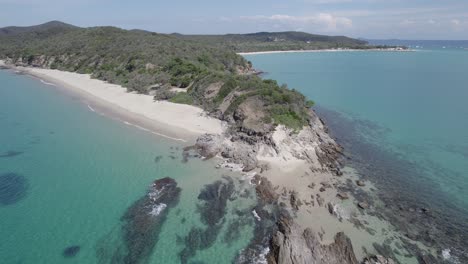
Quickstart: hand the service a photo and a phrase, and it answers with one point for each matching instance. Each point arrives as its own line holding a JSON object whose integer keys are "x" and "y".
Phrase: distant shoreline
{"x": 323, "y": 50}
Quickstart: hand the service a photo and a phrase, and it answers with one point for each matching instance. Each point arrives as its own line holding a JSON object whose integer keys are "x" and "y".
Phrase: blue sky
{"x": 404, "y": 19}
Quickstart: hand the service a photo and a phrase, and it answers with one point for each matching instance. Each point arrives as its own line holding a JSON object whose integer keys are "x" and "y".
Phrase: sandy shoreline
{"x": 174, "y": 121}
{"x": 321, "y": 50}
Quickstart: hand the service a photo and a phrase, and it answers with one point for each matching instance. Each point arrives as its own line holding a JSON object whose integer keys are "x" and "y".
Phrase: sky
{"x": 373, "y": 19}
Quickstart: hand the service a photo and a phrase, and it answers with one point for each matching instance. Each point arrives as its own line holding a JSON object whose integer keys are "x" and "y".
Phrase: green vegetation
{"x": 216, "y": 78}
{"x": 182, "y": 98}
{"x": 267, "y": 41}
{"x": 133, "y": 58}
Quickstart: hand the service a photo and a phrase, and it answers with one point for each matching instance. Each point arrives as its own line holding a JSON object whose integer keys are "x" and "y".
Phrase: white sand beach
{"x": 183, "y": 122}
{"x": 323, "y": 50}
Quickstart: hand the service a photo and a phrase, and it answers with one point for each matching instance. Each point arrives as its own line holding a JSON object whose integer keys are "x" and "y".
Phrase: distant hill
{"x": 138, "y": 59}
{"x": 45, "y": 29}
{"x": 267, "y": 41}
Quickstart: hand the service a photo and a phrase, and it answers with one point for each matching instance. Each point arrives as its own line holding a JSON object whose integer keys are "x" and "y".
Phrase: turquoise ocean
{"x": 403, "y": 120}
{"x": 68, "y": 176}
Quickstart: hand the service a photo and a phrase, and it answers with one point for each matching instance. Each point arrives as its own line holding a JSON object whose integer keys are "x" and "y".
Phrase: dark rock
{"x": 363, "y": 205}
{"x": 320, "y": 200}
{"x": 157, "y": 159}
{"x": 330, "y": 208}
{"x": 291, "y": 245}
{"x": 322, "y": 189}
{"x": 427, "y": 259}
{"x": 360, "y": 183}
{"x": 294, "y": 201}
{"x": 71, "y": 251}
{"x": 342, "y": 195}
{"x": 265, "y": 190}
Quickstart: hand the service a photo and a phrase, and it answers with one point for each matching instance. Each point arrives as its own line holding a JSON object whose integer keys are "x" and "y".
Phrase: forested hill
{"x": 213, "y": 75}
{"x": 132, "y": 58}
{"x": 268, "y": 41}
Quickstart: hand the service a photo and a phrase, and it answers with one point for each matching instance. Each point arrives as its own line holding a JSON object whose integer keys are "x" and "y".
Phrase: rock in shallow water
{"x": 342, "y": 196}
{"x": 71, "y": 251}
{"x": 363, "y": 205}
{"x": 141, "y": 225}
{"x": 360, "y": 183}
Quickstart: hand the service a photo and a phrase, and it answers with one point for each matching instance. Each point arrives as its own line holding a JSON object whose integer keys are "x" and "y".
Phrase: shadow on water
{"x": 13, "y": 188}
{"x": 412, "y": 201}
{"x": 133, "y": 242}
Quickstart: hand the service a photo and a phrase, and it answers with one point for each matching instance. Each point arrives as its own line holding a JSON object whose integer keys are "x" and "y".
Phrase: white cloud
{"x": 327, "y": 1}
{"x": 317, "y": 22}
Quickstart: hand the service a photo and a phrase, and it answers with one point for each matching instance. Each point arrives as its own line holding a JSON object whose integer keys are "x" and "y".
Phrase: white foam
{"x": 157, "y": 209}
{"x": 256, "y": 215}
{"x": 341, "y": 212}
{"x": 48, "y": 83}
{"x": 153, "y": 132}
{"x": 262, "y": 257}
{"x": 92, "y": 109}
{"x": 446, "y": 254}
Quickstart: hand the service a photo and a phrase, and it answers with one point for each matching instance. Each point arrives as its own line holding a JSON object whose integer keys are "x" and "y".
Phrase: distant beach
{"x": 324, "y": 50}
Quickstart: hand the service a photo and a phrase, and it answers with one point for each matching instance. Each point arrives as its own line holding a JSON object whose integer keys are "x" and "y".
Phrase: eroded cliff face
{"x": 254, "y": 148}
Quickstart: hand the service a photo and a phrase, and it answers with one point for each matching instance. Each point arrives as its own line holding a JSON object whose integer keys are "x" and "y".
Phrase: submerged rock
{"x": 141, "y": 225}
{"x": 10, "y": 153}
{"x": 213, "y": 198}
{"x": 71, "y": 251}
{"x": 13, "y": 188}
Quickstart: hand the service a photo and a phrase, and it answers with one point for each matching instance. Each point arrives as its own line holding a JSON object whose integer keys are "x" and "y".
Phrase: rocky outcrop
{"x": 378, "y": 259}
{"x": 247, "y": 146}
{"x": 292, "y": 245}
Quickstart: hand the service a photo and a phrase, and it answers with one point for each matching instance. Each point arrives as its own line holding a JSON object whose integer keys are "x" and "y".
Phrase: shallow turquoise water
{"x": 82, "y": 171}
{"x": 419, "y": 97}
{"x": 411, "y": 104}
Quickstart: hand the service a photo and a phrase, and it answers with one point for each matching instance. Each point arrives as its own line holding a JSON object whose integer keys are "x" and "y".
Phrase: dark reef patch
{"x": 212, "y": 208}
{"x": 10, "y": 154}
{"x": 141, "y": 225}
{"x": 71, "y": 251}
{"x": 265, "y": 227}
{"x": 13, "y": 188}
{"x": 418, "y": 208}
{"x": 157, "y": 159}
